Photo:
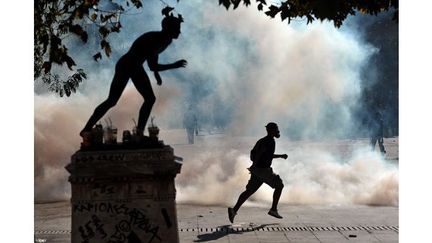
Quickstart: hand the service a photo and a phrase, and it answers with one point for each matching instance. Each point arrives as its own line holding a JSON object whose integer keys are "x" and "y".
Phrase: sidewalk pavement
{"x": 301, "y": 223}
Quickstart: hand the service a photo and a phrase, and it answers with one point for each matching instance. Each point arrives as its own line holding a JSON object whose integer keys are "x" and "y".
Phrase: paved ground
{"x": 210, "y": 224}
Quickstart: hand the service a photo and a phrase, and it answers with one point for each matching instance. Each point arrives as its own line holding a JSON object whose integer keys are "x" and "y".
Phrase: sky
{"x": 414, "y": 73}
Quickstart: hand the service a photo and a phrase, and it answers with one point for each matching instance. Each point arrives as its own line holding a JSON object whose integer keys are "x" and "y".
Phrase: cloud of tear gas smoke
{"x": 321, "y": 177}
{"x": 53, "y": 146}
{"x": 244, "y": 70}
{"x": 309, "y": 78}
{"x": 217, "y": 176}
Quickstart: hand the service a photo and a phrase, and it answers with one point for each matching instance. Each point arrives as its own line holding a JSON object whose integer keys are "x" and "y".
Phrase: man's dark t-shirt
{"x": 264, "y": 151}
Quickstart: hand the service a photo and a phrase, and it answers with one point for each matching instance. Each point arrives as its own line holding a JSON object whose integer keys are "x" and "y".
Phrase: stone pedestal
{"x": 124, "y": 195}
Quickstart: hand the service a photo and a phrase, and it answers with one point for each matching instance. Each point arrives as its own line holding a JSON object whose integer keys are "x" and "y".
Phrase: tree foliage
{"x": 332, "y": 10}
{"x": 56, "y": 20}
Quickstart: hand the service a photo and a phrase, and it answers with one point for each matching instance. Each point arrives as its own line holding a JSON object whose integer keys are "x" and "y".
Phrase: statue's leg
{"x": 117, "y": 86}
{"x": 142, "y": 83}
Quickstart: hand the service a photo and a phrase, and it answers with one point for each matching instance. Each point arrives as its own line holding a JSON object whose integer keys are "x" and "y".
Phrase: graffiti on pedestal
{"x": 103, "y": 189}
{"x": 116, "y": 157}
{"x": 89, "y": 229}
{"x": 138, "y": 220}
{"x": 99, "y": 157}
{"x": 101, "y": 207}
{"x": 166, "y": 217}
{"x": 128, "y": 223}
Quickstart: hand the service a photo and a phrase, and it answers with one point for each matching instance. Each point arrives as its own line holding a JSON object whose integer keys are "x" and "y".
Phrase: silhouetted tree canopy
{"x": 332, "y": 10}
{"x": 54, "y": 20}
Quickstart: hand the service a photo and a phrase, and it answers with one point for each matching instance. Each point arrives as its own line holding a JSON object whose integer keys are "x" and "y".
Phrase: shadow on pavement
{"x": 225, "y": 230}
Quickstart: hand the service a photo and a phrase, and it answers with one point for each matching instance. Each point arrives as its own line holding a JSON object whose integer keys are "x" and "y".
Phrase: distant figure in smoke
{"x": 190, "y": 122}
{"x": 377, "y": 132}
{"x": 129, "y": 66}
{"x": 262, "y": 155}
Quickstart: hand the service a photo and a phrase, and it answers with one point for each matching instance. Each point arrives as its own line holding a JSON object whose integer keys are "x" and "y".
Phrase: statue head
{"x": 171, "y": 25}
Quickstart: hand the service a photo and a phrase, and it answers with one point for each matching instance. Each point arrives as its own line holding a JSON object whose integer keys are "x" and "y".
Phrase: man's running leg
{"x": 253, "y": 184}
{"x": 276, "y": 182}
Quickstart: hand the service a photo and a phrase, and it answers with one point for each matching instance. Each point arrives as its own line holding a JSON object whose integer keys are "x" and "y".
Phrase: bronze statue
{"x": 129, "y": 66}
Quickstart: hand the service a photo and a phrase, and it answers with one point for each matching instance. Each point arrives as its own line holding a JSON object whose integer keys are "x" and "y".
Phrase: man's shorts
{"x": 263, "y": 175}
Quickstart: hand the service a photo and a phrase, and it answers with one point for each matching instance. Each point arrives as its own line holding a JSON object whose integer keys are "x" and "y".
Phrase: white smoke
{"x": 269, "y": 70}
{"x": 216, "y": 174}
{"x": 255, "y": 70}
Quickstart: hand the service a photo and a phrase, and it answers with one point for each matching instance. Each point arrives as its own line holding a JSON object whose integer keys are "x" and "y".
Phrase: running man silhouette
{"x": 130, "y": 66}
{"x": 262, "y": 155}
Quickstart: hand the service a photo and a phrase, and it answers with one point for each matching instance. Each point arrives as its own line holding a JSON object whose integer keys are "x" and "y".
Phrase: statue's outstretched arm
{"x": 155, "y": 66}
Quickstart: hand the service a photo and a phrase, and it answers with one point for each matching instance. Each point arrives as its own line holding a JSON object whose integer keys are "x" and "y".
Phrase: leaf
{"x": 262, "y": 2}
{"x": 105, "y": 18}
{"x": 97, "y": 56}
{"x": 137, "y": 3}
{"x": 82, "y": 10}
{"x": 167, "y": 10}
{"x": 236, "y": 3}
{"x": 72, "y": 87}
{"x": 69, "y": 61}
{"x": 108, "y": 50}
{"x": 225, "y": 3}
{"x": 260, "y": 7}
{"x": 67, "y": 90}
{"x": 106, "y": 46}
{"x": 246, "y": 2}
{"x": 82, "y": 73}
{"x": 78, "y": 30}
{"x": 44, "y": 39}
{"x": 93, "y": 17}
{"x": 55, "y": 41}
{"x": 104, "y": 31}
{"x": 310, "y": 19}
{"x": 63, "y": 28}
{"x": 103, "y": 44}
{"x": 116, "y": 27}
{"x": 273, "y": 10}
{"x": 56, "y": 55}
{"x": 47, "y": 67}
{"x": 285, "y": 13}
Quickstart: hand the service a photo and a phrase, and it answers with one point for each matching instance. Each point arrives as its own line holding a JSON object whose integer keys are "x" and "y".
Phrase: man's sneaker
{"x": 231, "y": 214}
{"x": 274, "y": 213}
